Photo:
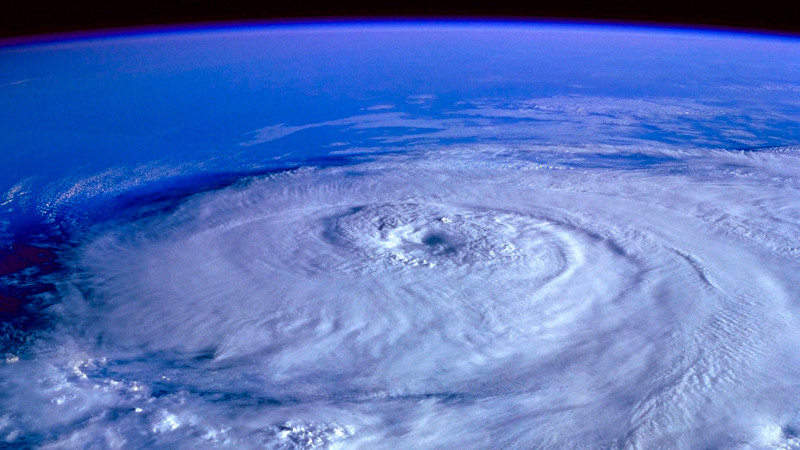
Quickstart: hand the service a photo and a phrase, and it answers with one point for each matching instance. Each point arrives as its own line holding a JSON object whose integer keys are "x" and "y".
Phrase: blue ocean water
{"x": 80, "y": 106}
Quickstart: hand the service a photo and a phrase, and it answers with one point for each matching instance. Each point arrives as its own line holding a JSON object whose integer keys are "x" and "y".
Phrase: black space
{"x": 30, "y": 17}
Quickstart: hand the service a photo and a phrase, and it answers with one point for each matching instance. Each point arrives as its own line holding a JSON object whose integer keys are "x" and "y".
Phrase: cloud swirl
{"x": 465, "y": 296}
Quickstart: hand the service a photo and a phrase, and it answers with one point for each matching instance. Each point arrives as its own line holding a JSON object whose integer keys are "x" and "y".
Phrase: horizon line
{"x": 179, "y": 27}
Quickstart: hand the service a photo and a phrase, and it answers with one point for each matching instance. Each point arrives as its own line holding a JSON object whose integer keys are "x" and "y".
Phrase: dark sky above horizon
{"x": 37, "y": 17}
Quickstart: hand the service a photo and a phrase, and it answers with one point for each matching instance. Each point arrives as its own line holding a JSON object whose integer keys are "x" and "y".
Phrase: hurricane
{"x": 533, "y": 275}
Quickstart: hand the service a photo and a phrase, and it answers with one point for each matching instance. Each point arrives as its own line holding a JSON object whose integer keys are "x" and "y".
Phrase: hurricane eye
{"x": 435, "y": 240}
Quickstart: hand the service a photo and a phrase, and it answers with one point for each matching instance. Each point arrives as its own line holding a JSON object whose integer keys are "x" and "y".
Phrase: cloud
{"x": 463, "y": 294}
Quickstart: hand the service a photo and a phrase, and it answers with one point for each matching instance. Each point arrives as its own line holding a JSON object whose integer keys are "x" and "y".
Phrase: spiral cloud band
{"x": 473, "y": 296}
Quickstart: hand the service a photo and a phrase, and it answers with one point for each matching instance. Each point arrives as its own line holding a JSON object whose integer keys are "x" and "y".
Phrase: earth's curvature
{"x": 401, "y": 235}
